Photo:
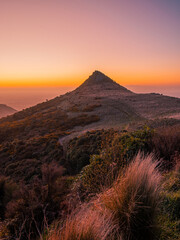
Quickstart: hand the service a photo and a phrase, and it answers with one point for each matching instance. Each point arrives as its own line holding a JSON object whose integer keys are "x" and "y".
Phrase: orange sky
{"x": 60, "y": 43}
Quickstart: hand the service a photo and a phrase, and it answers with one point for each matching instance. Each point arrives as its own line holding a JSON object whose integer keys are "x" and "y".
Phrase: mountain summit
{"x": 99, "y": 82}
{"x": 98, "y": 77}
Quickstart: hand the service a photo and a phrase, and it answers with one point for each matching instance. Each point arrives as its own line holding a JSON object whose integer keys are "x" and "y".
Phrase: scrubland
{"x": 107, "y": 184}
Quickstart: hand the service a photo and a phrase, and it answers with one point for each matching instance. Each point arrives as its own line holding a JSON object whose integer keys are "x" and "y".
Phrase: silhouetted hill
{"x": 6, "y": 110}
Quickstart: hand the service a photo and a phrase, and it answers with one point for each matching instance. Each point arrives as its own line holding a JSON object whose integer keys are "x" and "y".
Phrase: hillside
{"x": 62, "y": 154}
{"x": 98, "y": 103}
{"x": 41, "y": 185}
{"x": 41, "y": 133}
{"x": 6, "y": 110}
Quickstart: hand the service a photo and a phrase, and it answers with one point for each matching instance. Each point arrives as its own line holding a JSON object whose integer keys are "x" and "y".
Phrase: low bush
{"x": 37, "y": 205}
{"x": 165, "y": 143}
{"x": 94, "y": 177}
{"x": 117, "y": 150}
{"x": 7, "y": 188}
{"x": 125, "y": 145}
{"x": 22, "y": 160}
{"x": 80, "y": 149}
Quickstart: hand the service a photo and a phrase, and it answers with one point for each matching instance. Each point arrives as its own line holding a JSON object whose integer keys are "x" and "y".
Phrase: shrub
{"x": 80, "y": 149}
{"x": 118, "y": 148}
{"x": 2, "y": 195}
{"x": 125, "y": 145}
{"x": 22, "y": 160}
{"x": 165, "y": 144}
{"x": 90, "y": 108}
{"x": 37, "y": 205}
{"x": 7, "y": 188}
{"x": 94, "y": 177}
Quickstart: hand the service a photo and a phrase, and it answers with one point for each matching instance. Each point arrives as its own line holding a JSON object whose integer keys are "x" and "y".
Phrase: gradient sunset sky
{"x": 59, "y": 43}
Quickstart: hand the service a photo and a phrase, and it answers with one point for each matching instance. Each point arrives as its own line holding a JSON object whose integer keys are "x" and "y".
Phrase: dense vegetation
{"x": 30, "y": 138}
{"x": 42, "y": 184}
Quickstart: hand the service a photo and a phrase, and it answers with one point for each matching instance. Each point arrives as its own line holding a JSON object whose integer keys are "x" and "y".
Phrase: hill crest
{"x": 99, "y": 82}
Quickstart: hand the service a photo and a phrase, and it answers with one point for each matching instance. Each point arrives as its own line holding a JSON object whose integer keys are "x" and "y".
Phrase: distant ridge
{"x": 98, "y": 81}
{"x": 6, "y": 110}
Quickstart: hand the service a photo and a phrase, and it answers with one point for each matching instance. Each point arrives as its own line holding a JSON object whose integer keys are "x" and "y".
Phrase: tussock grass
{"x": 126, "y": 211}
{"x": 88, "y": 224}
{"x": 134, "y": 199}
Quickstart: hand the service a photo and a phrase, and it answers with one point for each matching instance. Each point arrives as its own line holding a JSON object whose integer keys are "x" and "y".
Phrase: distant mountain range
{"x": 6, "y": 110}
{"x": 98, "y": 103}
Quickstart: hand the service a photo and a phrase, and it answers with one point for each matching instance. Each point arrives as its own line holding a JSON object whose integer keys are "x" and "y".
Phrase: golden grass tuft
{"x": 133, "y": 200}
{"x": 126, "y": 211}
{"x": 88, "y": 224}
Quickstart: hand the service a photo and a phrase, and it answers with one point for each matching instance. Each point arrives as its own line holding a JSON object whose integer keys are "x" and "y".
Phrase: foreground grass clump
{"x": 87, "y": 224}
{"x": 126, "y": 211}
{"x": 134, "y": 199}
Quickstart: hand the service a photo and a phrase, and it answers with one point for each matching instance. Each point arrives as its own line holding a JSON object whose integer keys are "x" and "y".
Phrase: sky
{"x": 60, "y": 43}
